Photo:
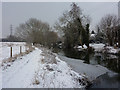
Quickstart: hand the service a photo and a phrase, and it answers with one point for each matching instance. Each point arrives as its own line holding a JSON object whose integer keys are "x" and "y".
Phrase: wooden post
{"x": 11, "y": 52}
{"x": 20, "y": 49}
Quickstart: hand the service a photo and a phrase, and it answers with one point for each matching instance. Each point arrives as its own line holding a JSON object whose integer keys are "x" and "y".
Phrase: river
{"x": 102, "y": 69}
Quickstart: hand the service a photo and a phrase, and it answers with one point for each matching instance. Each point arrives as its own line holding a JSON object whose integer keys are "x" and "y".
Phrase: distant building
{"x": 92, "y": 37}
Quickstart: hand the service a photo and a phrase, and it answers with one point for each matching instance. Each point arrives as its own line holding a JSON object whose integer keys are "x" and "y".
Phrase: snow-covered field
{"x": 112, "y": 50}
{"x": 98, "y": 47}
{"x": 5, "y": 48}
{"x": 102, "y": 48}
{"x": 40, "y": 69}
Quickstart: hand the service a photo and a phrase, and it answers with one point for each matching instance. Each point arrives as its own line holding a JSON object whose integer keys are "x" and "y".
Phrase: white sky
{"x": 18, "y": 12}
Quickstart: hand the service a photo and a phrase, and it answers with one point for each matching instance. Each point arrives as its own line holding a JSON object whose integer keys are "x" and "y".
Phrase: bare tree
{"x": 50, "y": 38}
{"x": 32, "y": 30}
{"x": 108, "y": 26}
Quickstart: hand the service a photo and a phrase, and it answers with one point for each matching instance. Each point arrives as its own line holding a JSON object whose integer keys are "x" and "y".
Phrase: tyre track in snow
{"x": 16, "y": 71}
{"x": 21, "y": 72}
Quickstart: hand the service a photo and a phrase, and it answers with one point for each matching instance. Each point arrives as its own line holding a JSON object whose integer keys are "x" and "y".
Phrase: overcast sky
{"x": 19, "y": 12}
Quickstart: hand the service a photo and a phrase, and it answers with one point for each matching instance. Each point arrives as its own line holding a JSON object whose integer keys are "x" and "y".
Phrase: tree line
{"x": 74, "y": 26}
{"x": 35, "y": 31}
{"x": 108, "y": 30}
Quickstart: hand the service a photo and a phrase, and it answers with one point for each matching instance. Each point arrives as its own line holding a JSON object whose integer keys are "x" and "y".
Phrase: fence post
{"x": 20, "y": 49}
{"x": 11, "y": 52}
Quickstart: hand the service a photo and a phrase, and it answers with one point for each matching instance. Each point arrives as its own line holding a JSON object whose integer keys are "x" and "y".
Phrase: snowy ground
{"x": 5, "y": 48}
{"x": 102, "y": 48}
{"x": 111, "y": 50}
{"x": 40, "y": 69}
{"x": 20, "y": 72}
{"x": 44, "y": 69}
{"x": 98, "y": 47}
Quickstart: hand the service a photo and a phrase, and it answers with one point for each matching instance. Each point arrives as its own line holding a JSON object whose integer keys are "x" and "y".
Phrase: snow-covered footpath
{"x": 21, "y": 71}
{"x": 41, "y": 69}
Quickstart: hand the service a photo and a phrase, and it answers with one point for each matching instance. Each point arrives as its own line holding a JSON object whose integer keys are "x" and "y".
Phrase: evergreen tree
{"x": 87, "y": 35}
{"x": 71, "y": 23}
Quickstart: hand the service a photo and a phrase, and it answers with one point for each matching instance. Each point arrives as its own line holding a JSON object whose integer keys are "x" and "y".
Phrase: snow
{"x": 34, "y": 70}
{"x": 6, "y": 47}
{"x": 102, "y": 48}
{"x": 92, "y": 35}
{"x": 84, "y": 46}
{"x": 111, "y": 50}
{"x": 80, "y": 48}
{"x": 20, "y": 73}
{"x": 44, "y": 69}
{"x": 58, "y": 76}
{"x": 98, "y": 47}
{"x": 92, "y": 71}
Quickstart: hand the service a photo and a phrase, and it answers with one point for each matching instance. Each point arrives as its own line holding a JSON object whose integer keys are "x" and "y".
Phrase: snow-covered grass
{"x": 102, "y": 48}
{"x": 80, "y": 48}
{"x": 58, "y": 76}
{"x": 41, "y": 69}
{"x": 111, "y": 50}
{"x": 98, "y": 47}
{"x": 5, "y": 49}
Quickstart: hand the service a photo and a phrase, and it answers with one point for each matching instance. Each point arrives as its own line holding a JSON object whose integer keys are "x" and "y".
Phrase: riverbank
{"x": 91, "y": 71}
{"x": 95, "y": 65}
{"x": 51, "y": 70}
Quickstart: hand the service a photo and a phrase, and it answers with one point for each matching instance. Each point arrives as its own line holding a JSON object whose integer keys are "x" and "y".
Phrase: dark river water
{"x": 112, "y": 62}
